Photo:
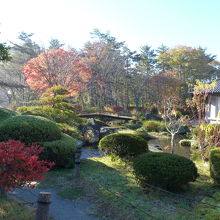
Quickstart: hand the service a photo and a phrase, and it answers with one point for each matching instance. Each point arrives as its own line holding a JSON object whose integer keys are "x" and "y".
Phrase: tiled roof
{"x": 217, "y": 87}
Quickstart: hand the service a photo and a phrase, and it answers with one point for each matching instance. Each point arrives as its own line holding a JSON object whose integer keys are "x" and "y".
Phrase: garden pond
{"x": 159, "y": 140}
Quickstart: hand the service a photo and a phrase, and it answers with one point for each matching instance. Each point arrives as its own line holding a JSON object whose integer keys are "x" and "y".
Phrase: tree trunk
{"x": 172, "y": 143}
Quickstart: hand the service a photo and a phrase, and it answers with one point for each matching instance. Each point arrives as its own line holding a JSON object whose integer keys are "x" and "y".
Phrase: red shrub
{"x": 19, "y": 165}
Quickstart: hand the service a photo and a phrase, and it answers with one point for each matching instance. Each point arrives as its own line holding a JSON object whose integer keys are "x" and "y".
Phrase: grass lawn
{"x": 112, "y": 187}
{"x": 10, "y": 209}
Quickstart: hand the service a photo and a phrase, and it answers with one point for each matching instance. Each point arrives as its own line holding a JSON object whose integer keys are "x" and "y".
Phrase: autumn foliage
{"x": 56, "y": 67}
{"x": 19, "y": 165}
{"x": 113, "y": 108}
{"x": 165, "y": 85}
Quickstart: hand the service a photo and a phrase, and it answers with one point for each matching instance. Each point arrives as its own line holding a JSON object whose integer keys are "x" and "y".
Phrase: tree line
{"x": 105, "y": 72}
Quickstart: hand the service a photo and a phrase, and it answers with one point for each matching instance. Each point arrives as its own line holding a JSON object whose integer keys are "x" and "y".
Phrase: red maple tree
{"x": 19, "y": 165}
{"x": 56, "y": 67}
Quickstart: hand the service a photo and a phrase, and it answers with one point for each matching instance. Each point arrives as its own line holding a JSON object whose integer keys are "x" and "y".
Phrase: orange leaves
{"x": 57, "y": 67}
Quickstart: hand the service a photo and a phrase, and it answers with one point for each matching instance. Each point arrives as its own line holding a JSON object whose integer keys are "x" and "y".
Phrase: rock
{"x": 184, "y": 130}
{"x": 91, "y": 135}
{"x": 134, "y": 126}
{"x": 155, "y": 148}
{"x": 185, "y": 143}
{"x": 150, "y": 116}
{"x": 158, "y": 147}
{"x": 94, "y": 130}
{"x": 106, "y": 131}
{"x": 80, "y": 143}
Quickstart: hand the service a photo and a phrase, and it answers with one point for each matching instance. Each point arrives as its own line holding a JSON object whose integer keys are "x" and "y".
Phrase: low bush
{"x": 165, "y": 170}
{"x": 29, "y": 129}
{"x": 214, "y": 161}
{"x": 206, "y": 138}
{"x": 123, "y": 145}
{"x": 185, "y": 143}
{"x": 154, "y": 126}
{"x": 6, "y": 113}
{"x": 61, "y": 152}
{"x": 113, "y": 108}
{"x": 91, "y": 110}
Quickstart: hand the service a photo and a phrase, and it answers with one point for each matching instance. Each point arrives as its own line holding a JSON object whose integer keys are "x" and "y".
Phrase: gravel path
{"x": 63, "y": 209}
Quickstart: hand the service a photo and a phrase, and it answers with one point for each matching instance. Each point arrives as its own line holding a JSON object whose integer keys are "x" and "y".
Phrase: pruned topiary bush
{"x": 58, "y": 115}
{"x": 154, "y": 126}
{"x": 54, "y": 103}
{"x": 123, "y": 145}
{"x": 6, "y": 113}
{"x": 36, "y": 113}
{"x": 29, "y": 129}
{"x": 60, "y": 151}
{"x": 58, "y": 147}
{"x": 165, "y": 170}
{"x": 214, "y": 161}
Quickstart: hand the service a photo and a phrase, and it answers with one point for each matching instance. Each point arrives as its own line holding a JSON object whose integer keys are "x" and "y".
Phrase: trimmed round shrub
{"x": 29, "y": 129}
{"x": 123, "y": 145}
{"x": 36, "y": 113}
{"x": 6, "y": 113}
{"x": 154, "y": 126}
{"x": 165, "y": 170}
{"x": 214, "y": 161}
{"x": 61, "y": 152}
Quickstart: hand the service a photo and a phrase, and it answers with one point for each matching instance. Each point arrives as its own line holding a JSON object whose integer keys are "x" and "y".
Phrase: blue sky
{"x": 138, "y": 22}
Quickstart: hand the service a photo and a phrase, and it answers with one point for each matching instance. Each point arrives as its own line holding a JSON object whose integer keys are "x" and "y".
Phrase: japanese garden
{"x": 136, "y": 134}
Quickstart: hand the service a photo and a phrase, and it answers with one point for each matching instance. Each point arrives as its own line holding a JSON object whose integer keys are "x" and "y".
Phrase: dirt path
{"x": 60, "y": 209}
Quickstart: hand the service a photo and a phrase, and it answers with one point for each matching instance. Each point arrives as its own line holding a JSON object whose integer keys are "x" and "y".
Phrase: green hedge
{"x": 165, "y": 170}
{"x": 29, "y": 129}
{"x": 123, "y": 145}
{"x": 6, "y": 113}
{"x": 62, "y": 151}
{"x": 154, "y": 126}
{"x": 214, "y": 161}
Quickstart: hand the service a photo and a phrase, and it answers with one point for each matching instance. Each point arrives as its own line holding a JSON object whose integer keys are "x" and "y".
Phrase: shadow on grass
{"x": 114, "y": 184}
{"x": 114, "y": 190}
